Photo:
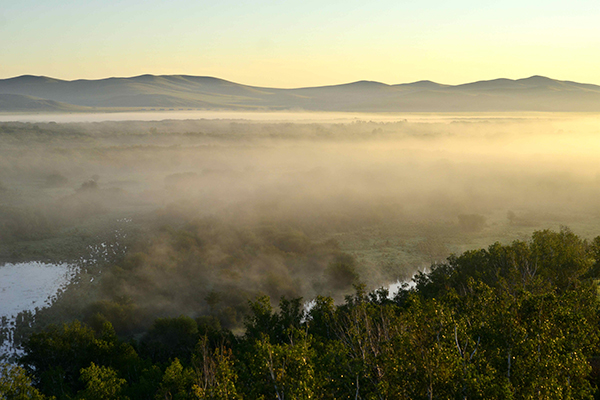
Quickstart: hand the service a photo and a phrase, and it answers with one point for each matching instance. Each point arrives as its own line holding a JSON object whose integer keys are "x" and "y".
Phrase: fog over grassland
{"x": 226, "y": 209}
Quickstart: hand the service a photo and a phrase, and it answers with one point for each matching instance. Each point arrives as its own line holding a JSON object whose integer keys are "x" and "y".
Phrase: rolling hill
{"x": 23, "y": 103}
{"x": 536, "y": 93}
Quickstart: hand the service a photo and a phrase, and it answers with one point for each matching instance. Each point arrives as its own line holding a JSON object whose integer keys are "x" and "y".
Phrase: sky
{"x": 291, "y": 43}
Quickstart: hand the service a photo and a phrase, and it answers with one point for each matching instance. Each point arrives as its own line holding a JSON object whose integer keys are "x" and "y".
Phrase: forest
{"x": 510, "y": 321}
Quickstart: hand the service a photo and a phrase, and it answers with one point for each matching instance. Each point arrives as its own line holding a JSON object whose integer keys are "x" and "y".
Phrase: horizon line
{"x": 290, "y": 88}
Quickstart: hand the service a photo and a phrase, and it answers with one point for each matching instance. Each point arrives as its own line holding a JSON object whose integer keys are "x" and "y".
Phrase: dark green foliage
{"x": 170, "y": 338}
{"x": 122, "y": 315}
{"x": 509, "y": 322}
{"x": 57, "y": 356}
{"x": 551, "y": 260}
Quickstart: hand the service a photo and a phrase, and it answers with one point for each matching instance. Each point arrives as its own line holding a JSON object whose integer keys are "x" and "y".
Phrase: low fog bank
{"x": 232, "y": 208}
{"x": 298, "y": 116}
{"x": 324, "y": 178}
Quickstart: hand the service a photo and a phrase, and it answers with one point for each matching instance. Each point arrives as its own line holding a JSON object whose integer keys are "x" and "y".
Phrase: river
{"x": 25, "y": 287}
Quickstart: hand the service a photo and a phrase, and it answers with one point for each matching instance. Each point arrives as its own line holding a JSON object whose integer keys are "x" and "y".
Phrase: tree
{"x": 15, "y": 384}
{"x": 170, "y": 338}
{"x": 287, "y": 369}
{"x": 177, "y": 383}
{"x": 101, "y": 383}
{"x": 215, "y": 373}
{"x": 56, "y": 356}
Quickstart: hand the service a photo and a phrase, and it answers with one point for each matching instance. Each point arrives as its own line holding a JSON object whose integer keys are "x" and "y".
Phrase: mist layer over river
{"x": 277, "y": 116}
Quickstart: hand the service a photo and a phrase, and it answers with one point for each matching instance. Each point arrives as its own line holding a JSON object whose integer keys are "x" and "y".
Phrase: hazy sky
{"x": 292, "y": 43}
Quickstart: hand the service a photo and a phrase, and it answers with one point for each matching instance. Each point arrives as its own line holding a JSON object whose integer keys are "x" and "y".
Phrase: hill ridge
{"x": 534, "y": 93}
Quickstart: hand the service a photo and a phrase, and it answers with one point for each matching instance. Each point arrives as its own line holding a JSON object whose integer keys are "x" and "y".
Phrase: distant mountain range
{"x": 537, "y": 93}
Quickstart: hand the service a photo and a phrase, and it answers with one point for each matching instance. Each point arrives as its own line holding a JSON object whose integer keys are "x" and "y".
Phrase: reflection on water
{"x": 25, "y": 287}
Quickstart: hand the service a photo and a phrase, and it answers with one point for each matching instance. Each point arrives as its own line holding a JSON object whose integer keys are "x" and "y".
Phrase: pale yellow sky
{"x": 303, "y": 43}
